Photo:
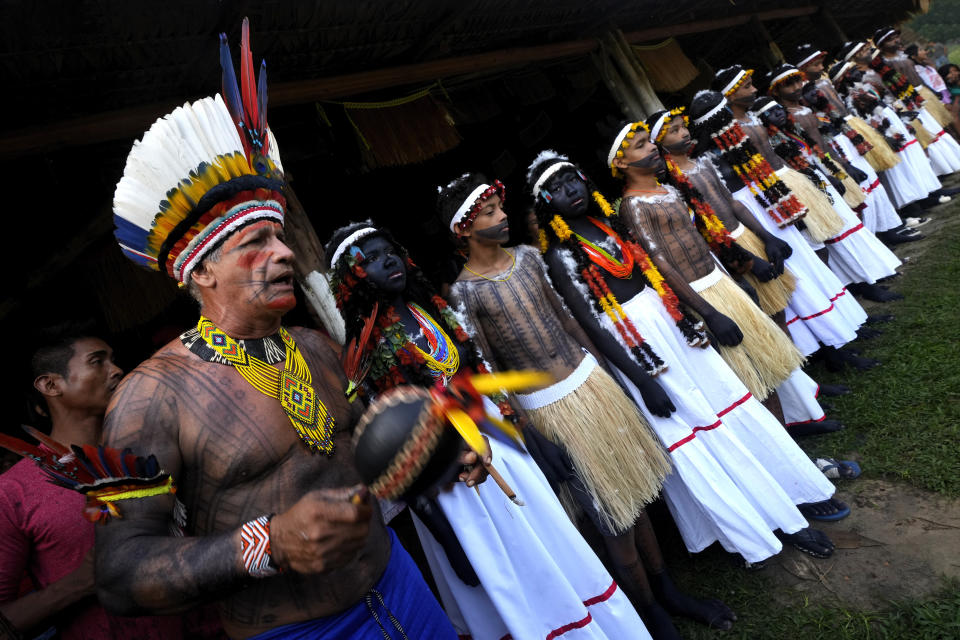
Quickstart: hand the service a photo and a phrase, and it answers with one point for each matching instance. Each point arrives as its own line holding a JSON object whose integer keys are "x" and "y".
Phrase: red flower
{"x": 439, "y": 302}
{"x": 460, "y": 335}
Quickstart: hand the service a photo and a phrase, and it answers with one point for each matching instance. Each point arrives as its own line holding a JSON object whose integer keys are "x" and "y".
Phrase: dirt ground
{"x": 899, "y": 541}
{"x": 896, "y": 544}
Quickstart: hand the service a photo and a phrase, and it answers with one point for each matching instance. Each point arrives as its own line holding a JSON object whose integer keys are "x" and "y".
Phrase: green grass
{"x": 902, "y": 422}
{"x": 903, "y": 419}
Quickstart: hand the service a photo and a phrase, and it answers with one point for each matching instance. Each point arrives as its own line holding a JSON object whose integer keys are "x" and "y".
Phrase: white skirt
{"x": 737, "y": 474}
{"x": 820, "y": 309}
{"x": 856, "y": 255}
{"x": 944, "y": 152}
{"x": 917, "y": 172}
{"x": 880, "y": 213}
{"x": 537, "y": 574}
{"x": 798, "y": 399}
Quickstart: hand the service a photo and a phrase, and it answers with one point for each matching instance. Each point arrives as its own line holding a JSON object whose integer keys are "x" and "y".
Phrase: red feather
{"x": 21, "y": 447}
{"x": 355, "y": 359}
{"x": 47, "y": 441}
{"x": 248, "y": 84}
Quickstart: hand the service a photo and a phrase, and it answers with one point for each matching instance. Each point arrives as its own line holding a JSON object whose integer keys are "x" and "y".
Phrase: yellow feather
{"x": 504, "y": 425}
{"x": 488, "y": 383}
{"x": 467, "y": 428}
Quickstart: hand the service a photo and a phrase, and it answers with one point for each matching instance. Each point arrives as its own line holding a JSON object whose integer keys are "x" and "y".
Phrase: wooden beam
{"x": 701, "y": 26}
{"x": 130, "y": 123}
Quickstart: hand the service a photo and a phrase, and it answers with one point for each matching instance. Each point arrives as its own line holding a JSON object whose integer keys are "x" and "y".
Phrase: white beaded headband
{"x": 348, "y": 242}
{"x": 854, "y": 51}
{"x": 712, "y": 112}
{"x": 843, "y": 69}
{"x": 616, "y": 144}
{"x": 783, "y": 76}
{"x": 730, "y": 85}
{"x": 810, "y": 58}
{"x": 549, "y": 171}
{"x": 658, "y": 125}
{"x": 466, "y": 206}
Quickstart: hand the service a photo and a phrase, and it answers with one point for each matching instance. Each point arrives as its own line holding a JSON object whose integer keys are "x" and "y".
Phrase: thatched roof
{"x": 83, "y": 78}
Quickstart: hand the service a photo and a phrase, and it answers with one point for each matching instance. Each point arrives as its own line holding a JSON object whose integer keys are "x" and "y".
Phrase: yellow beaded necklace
{"x": 292, "y": 386}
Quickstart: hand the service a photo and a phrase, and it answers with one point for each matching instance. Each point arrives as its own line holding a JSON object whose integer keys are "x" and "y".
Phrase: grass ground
{"x": 902, "y": 423}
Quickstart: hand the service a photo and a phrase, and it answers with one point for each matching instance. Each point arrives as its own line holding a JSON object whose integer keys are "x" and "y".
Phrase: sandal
{"x": 825, "y": 511}
{"x": 836, "y": 469}
{"x": 810, "y": 541}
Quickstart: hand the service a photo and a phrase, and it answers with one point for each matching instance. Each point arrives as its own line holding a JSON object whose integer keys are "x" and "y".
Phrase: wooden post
{"x": 771, "y": 52}
{"x": 648, "y": 97}
{"x": 625, "y": 98}
{"x": 309, "y": 263}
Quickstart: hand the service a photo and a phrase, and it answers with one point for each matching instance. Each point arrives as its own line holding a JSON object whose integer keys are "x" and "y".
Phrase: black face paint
{"x": 497, "y": 232}
{"x": 777, "y": 116}
{"x": 383, "y": 265}
{"x": 652, "y": 161}
{"x": 679, "y": 148}
{"x": 792, "y": 96}
{"x": 744, "y": 101}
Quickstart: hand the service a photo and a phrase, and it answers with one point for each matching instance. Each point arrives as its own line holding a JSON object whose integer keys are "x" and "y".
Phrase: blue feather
{"x": 230, "y": 90}
{"x": 262, "y": 104}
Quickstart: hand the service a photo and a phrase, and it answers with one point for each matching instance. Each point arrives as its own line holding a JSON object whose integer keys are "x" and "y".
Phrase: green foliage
{"x": 941, "y": 24}
{"x": 903, "y": 421}
{"x": 954, "y": 56}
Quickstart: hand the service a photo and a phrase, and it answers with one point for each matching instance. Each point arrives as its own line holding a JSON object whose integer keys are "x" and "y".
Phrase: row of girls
{"x": 674, "y": 321}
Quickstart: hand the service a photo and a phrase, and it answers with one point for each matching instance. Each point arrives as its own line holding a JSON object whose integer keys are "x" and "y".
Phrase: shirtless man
{"x": 277, "y": 529}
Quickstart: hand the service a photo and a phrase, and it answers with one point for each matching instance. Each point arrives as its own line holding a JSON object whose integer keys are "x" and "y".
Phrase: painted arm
{"x": 654, "y": 397}
{"x": 140, "y": 568}
{"x": 725, "y": 330}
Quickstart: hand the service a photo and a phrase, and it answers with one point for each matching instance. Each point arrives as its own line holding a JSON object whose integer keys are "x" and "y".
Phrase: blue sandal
{"x": 838, "y": 469}
{"x": 825, "y": 511}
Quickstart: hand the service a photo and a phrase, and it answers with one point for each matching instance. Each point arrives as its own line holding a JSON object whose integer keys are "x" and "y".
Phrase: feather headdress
{"x": 201, "y": 172}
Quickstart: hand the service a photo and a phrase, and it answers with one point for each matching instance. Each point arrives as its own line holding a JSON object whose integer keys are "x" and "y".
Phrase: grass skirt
{"x": 774, "y": 295}
{"x": 881, "y": 157}
{"x": 822, "y": 221}
{"x": 614, "y": 452}
{"x": 766, "y": 357}
{"x": 853, "y": 195}
{"x": 935, "y": 106}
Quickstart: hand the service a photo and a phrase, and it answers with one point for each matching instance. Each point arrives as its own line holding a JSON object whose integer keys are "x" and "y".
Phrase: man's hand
{"x": 656, "y": 399}
{"x": 473, "y": 472}
{"x": 324, "y": 530}
{"x": 725, "y": 330}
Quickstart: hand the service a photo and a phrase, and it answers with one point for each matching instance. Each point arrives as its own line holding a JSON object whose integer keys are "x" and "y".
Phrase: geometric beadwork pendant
{"x": 298, "y": 399}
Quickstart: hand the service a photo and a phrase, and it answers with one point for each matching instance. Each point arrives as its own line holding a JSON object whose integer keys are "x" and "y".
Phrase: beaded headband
{"x": 783, "y": 75}
{"x": 348, "y": 242}
{"x": 735, "y": 82}
{"x": 547, "y": 173}
{"x": 841, "y": 71}
{"x": 465, "y": 215}
{"x": 622, "y": 141}
{"x": 769, "y": 105}
{"x": 810, "y": 58}
{"x": 887, "y": 34}
{"x": 854, "y": 50}
{"x": 709, "y": 114}
{"x": 657, "y": 131}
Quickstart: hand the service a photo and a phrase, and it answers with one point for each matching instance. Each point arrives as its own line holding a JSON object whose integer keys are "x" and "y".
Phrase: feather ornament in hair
{"x": 317, "y": 290}
{"x": 356, "y": 357}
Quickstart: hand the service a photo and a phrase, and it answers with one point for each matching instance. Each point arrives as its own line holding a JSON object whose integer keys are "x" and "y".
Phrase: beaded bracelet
{"x": 255, "y": 544}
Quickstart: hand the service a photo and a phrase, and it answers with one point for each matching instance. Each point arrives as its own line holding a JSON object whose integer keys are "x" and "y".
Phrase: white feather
{"x": 543, "y": 156}
{"x": 320, "y": 296}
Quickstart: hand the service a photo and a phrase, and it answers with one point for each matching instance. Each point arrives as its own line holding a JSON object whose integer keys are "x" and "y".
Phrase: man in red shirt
{"x": 43, "y": 534}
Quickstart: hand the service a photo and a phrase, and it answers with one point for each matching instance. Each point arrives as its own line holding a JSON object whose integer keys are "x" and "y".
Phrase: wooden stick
{"x": 507, "y": 490}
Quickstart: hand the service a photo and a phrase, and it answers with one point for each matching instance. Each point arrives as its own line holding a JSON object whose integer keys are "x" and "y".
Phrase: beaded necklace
{"x": 444, "y": 359}
{"x": 292, "y": 386}
{"x": 508, "y": 276}
{"x": 623, "y": 268}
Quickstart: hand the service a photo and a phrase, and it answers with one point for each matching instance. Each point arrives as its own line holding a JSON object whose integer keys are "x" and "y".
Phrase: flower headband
{"x": 470, "y": 206}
